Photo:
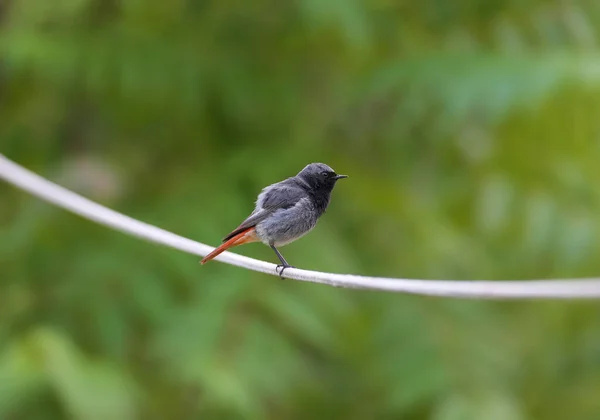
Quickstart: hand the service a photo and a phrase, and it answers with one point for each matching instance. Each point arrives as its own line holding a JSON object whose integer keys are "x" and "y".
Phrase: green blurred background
{"x": 471, "y": 133}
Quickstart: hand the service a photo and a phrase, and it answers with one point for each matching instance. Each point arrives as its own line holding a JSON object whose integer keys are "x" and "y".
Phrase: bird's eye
{"x": 325, "y": 174}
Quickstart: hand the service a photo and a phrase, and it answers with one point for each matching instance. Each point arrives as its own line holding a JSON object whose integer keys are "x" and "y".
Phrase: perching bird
{"x": 285, "y": 211}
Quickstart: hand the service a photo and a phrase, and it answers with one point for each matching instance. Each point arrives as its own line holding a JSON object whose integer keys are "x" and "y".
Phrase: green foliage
{"x": 470, "y": 133}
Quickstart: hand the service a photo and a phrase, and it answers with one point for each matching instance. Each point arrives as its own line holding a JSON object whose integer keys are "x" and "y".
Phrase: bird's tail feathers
{"x": 244, "y": 237}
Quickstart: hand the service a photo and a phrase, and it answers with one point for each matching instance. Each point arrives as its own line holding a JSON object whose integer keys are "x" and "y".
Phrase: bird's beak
{"x": 340, "y": 176}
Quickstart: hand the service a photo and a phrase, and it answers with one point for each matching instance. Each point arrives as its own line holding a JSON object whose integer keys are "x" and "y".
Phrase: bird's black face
{"x": 320, "y": 176}
{"x": 330, "y": 177}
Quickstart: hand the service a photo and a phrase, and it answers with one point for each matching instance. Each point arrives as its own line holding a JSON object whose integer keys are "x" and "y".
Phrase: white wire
{"x": 42, "y": 188}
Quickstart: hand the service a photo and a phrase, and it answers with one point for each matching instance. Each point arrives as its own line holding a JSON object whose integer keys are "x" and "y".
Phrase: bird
{"x": 284, "y": 212}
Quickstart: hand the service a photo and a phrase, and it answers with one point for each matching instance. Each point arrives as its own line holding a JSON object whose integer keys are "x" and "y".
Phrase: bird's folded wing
{"x": 273, "y": 198}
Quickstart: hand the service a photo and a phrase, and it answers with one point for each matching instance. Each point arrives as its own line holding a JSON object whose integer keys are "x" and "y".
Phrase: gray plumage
{"x": 289, "y": 209}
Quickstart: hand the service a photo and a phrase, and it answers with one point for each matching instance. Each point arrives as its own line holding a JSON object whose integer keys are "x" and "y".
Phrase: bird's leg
{"x": 284, "y": 264}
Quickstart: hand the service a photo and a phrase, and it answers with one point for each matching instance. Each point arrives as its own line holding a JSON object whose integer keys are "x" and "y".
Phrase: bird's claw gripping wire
{"x": 283, "y": 267}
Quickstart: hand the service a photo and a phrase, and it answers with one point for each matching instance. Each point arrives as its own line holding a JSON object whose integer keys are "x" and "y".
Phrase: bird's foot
{"x": 283, "y": 267}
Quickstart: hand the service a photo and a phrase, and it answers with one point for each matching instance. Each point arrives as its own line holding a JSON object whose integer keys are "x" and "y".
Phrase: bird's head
{"x": 320, "y": 176}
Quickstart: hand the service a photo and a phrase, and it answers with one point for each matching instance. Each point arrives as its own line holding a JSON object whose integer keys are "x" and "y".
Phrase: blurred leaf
{"x": 90, "y": 390}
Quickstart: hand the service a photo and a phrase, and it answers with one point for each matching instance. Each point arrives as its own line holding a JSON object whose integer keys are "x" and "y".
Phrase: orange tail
{"x": 244, "y": 237}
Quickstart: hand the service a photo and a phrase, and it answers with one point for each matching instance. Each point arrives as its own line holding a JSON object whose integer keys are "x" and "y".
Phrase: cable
{"x": 46, "y": 190}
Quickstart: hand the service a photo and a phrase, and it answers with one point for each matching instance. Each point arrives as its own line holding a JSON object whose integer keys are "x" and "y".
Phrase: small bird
{"x": 285, "y": 211}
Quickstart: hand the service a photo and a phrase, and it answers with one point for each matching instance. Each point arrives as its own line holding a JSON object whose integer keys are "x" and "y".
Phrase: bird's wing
{"x": 282, "y": 195}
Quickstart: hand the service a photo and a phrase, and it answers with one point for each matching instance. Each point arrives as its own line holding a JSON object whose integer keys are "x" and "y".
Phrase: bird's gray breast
{"x": 287, "y": 225}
